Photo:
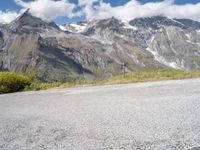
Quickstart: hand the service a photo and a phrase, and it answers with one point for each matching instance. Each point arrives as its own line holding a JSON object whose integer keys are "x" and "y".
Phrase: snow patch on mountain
{"x": 63, "y": 28}
{"x": 175, "y": 21}
{"x": 188, "y": 38}
{"x": 74, "y": 27}
{"x": 79, "y": 28}
{"x": 128, "y": 26}
{"x": 162, "y": 60}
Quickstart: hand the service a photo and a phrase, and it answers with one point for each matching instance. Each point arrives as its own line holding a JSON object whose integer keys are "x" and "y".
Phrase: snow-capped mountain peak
{"x": 74, "y": 27}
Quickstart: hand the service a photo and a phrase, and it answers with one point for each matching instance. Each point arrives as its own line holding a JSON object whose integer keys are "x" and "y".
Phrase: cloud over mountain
{"x": 8, "y": 16}
{"x": 99, "y": 9}
{"x": 134, "y": 9}
{"x": 48, "y": 9}
{"x": 86, "y": 2}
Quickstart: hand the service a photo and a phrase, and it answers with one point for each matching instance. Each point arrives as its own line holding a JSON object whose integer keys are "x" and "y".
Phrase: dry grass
{"x": 166, "y": 74}
{"x": 44, "y": 86}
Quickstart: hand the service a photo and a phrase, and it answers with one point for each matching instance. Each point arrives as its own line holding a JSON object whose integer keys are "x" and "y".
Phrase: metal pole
{"x": 124, "y": 69}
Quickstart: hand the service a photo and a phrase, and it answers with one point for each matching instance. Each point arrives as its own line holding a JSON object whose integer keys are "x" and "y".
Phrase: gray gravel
{"x": 155, "y": 115}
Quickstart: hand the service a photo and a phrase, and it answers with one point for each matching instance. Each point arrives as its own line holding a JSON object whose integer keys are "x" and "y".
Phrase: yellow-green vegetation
{"x": 35, "y": 86}
{"x": 133, "y": 77}
{"x": 13, "y": 82}
{"x": 155, "y": 75}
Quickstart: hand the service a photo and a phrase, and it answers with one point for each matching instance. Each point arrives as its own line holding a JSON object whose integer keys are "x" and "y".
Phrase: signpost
{"x": 124, "y": 69}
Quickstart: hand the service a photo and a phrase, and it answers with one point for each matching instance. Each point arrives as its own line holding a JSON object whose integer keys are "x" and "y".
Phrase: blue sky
{"x": 11, "y": 6}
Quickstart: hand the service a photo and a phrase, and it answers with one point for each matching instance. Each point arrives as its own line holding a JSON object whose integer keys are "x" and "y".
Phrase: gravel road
{"x": 146, "y": 116}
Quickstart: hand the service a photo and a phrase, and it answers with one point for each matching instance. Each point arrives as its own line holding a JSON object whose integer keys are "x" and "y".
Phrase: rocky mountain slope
{"x": 96, "y": 49}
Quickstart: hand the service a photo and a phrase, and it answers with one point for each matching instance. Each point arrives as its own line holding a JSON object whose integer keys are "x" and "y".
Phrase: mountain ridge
{"x": 97, "y": 49}
{"x": 28, "y": 20}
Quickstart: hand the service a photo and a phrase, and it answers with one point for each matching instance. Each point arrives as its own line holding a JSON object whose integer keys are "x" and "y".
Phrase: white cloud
{"x": 98, "y": 9}
{"x": 86, "y": 2}
{"x": 134, "y": 9}
{"x": 49, "y": 9}
{"x": 87, "y": 8}
{"x": 8, "y": 16}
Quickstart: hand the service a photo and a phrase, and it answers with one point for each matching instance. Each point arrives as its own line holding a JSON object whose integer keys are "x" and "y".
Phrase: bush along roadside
{"x": 13, "y": 82}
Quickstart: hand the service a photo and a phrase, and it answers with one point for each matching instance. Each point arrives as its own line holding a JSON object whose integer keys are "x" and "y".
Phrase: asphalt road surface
{"x": 155, "y": 115}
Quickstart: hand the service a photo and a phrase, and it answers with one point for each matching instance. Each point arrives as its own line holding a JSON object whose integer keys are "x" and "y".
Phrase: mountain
{"x": 28, "y": 22}
{"x": 30, "y": 44}
{"x": 96, "y": 49}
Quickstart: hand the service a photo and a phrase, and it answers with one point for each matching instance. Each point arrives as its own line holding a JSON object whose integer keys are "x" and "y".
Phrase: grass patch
{"x": 36, "y": 86}
{"x": 143, "y": 76}
{"x": 13, "y": 82}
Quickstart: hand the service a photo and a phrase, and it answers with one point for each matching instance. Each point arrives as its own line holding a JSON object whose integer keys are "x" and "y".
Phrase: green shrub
{"x": 13, "y": 82}
{"x": 35, "y": 86}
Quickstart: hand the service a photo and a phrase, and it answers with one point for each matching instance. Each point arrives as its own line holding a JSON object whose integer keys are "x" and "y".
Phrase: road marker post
{"x": 124, "y": 70}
